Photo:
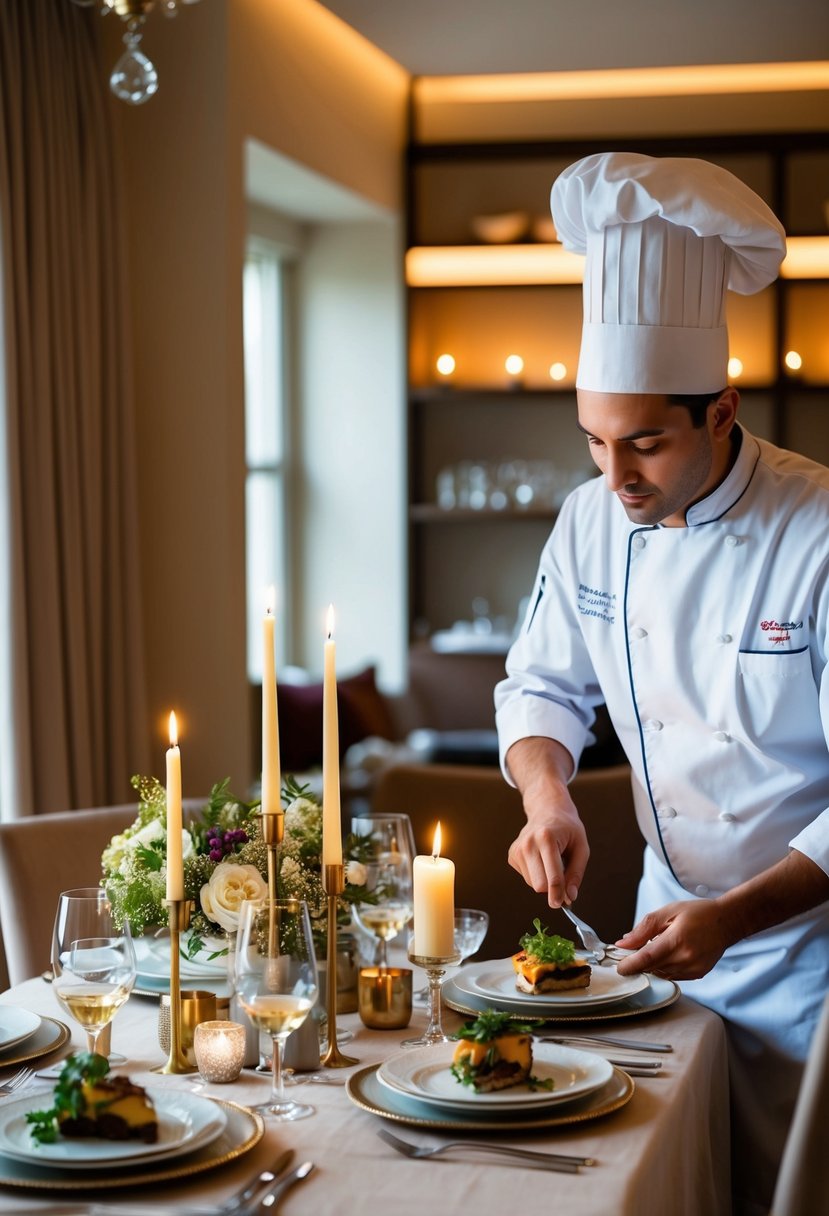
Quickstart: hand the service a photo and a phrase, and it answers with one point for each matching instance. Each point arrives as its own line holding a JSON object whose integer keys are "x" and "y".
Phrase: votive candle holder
{"x": 220, "y": 1050}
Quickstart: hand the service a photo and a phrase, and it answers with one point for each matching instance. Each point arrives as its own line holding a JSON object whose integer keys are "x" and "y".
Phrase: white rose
{"x": 229, "y": 886}
{"x": 188, "y": 849}
{"x": 154, "y": 830}
{"x": 355, "y": 873}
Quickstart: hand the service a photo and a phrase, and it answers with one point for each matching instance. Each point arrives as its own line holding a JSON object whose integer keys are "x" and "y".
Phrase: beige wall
{"x": 293, "y": 76}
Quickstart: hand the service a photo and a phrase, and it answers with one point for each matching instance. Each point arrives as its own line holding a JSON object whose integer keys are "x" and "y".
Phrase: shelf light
{"x": 735, "y": 368}
{"x": 807, "y": 257}
{"x": 558, "y": 371}
{"x": 491, "y": 265}
{"x": 793, "y": 360}
{"x": 445, "y": 364}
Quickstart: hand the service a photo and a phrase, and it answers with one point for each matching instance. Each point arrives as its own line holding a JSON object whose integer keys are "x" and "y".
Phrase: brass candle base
{"x": 273, "y": 830}
{"x": 179, "y": 912}
{"x": 333, "y": 882}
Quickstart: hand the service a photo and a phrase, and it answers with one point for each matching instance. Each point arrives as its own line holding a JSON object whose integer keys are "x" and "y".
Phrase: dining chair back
{"x": 802, "y": 1187}
{"x": 481, "y": 815}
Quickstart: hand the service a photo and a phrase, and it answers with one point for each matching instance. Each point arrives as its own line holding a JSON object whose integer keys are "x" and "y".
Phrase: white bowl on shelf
{"x": 501, "y": 229}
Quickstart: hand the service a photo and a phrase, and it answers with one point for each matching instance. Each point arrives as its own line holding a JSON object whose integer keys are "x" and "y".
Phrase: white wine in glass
{"x": 93, "y": 960}
{"x": 389, "y": 861}
{"x": 276, "y": 983}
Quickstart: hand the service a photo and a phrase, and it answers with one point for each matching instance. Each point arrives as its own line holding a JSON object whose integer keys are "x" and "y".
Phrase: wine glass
{"x": 276, "y": 983}
{"x": 471, "y": 926}
{"x": 93, "y": 961}
{"x": 389, "y": 864}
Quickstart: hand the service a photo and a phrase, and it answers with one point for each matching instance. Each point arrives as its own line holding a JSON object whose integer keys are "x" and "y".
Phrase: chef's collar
{"x": 723, "y": 497}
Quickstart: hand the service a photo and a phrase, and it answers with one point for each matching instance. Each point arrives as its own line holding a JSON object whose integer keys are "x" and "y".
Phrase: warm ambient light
{"x": 807, "y": 257}
{"x": 558, "y": 371}
{"x": 514, "y": 365}
{"x": 173, "y": 729}
{"x": 445, "y": 364}
{"x": 436, "y": 841}
{"x": 793, "y": 360}
{"x": 691, "y": 81}
{"x": 735, "y": 368}
{"x": 476, "y": 266}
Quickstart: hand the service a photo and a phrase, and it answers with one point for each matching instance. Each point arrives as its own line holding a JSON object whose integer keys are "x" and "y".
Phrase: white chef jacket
{"x": 709, "y": 646}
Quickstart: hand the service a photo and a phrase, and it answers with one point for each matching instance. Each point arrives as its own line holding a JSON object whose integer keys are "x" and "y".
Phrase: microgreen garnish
{"x": 548, "y": 947}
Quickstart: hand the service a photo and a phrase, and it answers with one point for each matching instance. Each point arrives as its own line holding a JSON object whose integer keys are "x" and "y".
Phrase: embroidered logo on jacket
{"x": 597, "y": 603}
{"x": 779, "y": 633}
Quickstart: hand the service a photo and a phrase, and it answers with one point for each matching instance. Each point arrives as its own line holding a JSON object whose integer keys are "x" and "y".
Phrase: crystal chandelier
{"x": 134, "y": 78}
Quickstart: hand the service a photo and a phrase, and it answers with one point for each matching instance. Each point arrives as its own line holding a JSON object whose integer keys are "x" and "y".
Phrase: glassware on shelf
{"x": 388, "y": 877}
{"x": 93, "y": 961}
{"x": 276, "y": 984}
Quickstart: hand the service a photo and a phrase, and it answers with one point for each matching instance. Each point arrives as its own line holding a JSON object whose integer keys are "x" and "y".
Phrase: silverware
{"x": 253, "y": 1192}
{"x": 591, "y": 941}
{"x": 631, "y": 1044}
{"x": 269, "y": 1201}
{"x": 17, "y": 1081}
{"x": 643, "y": 1067}
{"x": 550, "y": 1161}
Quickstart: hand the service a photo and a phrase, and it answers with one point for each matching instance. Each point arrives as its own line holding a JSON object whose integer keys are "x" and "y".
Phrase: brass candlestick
{"x": 273, "y": 829}
{"x": 333, "y": 882}
{"x": 179, "y": 912}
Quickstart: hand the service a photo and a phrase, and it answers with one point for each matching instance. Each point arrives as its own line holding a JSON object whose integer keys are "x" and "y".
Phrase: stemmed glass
{"x": 276, "y": 983}
{"x": 388, "y": 876}
{"x": 93, "y": 961}
{"x": 471, "y": 926}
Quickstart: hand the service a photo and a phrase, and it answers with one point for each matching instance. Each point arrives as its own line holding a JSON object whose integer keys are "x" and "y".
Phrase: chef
{"x": 688, "y": 589}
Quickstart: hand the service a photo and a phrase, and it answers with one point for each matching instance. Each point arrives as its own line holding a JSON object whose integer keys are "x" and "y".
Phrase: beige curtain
{"x": 75, "y": 677}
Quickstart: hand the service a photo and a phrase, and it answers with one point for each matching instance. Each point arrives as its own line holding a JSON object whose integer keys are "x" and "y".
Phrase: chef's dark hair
{"x": 697, "y": 404}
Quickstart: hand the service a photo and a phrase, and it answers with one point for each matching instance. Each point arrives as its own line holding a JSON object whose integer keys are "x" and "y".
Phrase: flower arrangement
{"x": 225, "y": 862}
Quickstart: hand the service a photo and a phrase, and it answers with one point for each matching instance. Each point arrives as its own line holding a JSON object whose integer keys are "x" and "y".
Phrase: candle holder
{"x": 273, "y": 829}
{"x": 333, "y": 882}
{"x": 179, "y": 912}
{"x": 435, "y": 969}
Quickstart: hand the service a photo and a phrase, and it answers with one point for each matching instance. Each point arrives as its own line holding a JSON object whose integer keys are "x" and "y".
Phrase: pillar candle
{"x": 175, "y": 868}
{"x": 434, "y": 904}
{"x": 332, "y": 840}
{"x": 271, "y": 777}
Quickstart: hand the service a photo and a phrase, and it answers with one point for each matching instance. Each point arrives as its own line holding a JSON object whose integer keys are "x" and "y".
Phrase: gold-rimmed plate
{"x": 658, "y": 995}
{"x": 243, "y": 1131}
{"x": 49, "y": 1036}
{"x": 364, "y": 1090}
{"x": 16, "y": 1024}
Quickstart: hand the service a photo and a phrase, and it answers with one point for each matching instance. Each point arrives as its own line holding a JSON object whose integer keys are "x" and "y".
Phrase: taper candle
{"x": 175, "y": 868}
{"x": 434, "y": 904}
{"x": 271, "y": 776}
{"x": 332, "y": 840}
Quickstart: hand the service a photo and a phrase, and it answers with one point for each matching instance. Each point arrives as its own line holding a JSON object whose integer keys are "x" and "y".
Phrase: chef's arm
{"x": 551, "y": 850}
{"x": 683, "y": 940}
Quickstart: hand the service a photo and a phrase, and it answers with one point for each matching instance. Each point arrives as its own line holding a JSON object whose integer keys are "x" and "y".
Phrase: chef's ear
{"x": 725, "y": 412}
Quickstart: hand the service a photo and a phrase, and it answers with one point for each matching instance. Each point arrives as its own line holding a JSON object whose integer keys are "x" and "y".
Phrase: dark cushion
{"x": 362, "y": 711}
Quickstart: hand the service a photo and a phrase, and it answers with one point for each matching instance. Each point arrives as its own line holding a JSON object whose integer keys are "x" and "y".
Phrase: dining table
{"x": 664, "y": 1150}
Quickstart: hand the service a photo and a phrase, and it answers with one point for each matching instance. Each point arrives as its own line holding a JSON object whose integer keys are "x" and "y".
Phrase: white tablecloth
{"x": 666, "y": 1153}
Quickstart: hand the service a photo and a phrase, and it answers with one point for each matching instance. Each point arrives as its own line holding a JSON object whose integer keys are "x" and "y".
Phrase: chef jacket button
{"x": 654, "y": 724}
{"x": 638, "y": 542}
{"x": 727, "y": 817}
{"x": 721, "y": 736}
{"x": 725, "y": 638}
{"x": 667, "y": 812}
{"x": 639, "y": 632}
{"x": 701, "y": 890}
{"x": 732, "y": 541}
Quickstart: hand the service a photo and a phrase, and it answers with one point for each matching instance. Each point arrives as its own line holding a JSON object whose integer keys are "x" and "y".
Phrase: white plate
{"x": 424, "y": 1074}
{"x": 186, "y": 1122}
{"x": 16, "y": 1025}
{"x": 153, "y": 958}
{"x": 659, "y": 994}
{"x": 496, "y": 981}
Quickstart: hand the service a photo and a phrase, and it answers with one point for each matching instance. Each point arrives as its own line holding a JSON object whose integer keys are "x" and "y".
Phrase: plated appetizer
{"x": 494, "y": 1052}
{"x": 88, "y": 1103}
{"x": 548, "y": 963}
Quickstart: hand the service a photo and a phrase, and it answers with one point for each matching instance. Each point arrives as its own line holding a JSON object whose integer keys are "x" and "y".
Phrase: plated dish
{"x": 424, "y": 1074}
{"x": 186, "y": 1122}
{"x": 495, "y": 981}
{"x": 366, "y": 1091}
{"x": 243, "y": 1130}
{"x": 659, "y": 994}
{"x": 16, "y": 1024}
{"x": 49, "y": 1036}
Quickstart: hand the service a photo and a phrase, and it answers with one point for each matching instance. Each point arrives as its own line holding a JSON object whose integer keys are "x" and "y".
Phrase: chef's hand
{"x": 551, "y": 851}
{"x": 681, "y": 941}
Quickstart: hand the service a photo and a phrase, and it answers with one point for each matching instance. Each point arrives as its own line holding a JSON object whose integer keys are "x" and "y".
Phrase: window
{"x": 266, "y": 425}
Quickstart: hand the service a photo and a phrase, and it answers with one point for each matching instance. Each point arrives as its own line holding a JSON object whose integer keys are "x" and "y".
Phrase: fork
{"x": 591, "y": 941}
{"x": 16, "y": 1081}
{"x": 550, "y": 1161}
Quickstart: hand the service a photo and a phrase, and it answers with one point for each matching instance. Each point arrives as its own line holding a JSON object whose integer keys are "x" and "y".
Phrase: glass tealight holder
{"x": 220, "y": 1050}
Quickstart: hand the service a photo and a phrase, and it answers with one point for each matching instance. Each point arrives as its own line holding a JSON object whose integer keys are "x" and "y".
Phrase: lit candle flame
{"x": 270, "y": 600}
{"x": 330, "y": 621}
{"x": 436, "y": 842}
{"x": 173, "y": 729}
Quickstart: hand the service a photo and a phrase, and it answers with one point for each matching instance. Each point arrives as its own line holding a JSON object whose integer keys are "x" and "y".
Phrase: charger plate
{"x": 49, "y": 1036}
{"x": 244, "y": 1129}
{"x": 16, "y": 1024}
{"x": 659, "y": 994}
{"x": 365, "y": 1090}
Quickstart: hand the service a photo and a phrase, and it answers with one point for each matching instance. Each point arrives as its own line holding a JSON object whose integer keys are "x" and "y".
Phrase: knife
{"x": 253, "y": 1192}
{"x": 276, "y": 1192}
{"x": 596, "y": 1038}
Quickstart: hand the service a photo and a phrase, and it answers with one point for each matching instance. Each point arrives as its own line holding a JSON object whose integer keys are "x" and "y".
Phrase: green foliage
{"x": 68, "y": 1095}
{"x": 548, "y": 947}
{"x": 491, "y": 1023}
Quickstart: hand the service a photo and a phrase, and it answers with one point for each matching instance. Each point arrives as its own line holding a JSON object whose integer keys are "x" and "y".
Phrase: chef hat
{"x": 664, "y": 238}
